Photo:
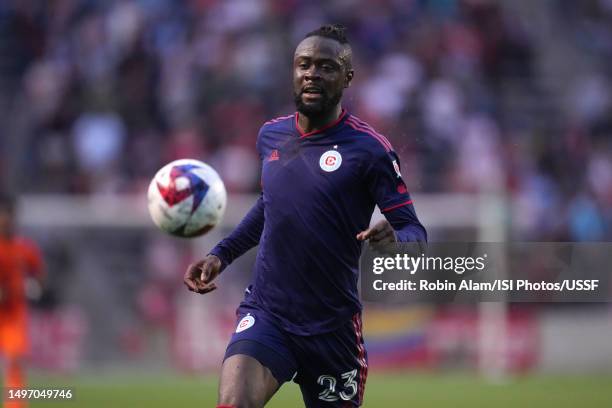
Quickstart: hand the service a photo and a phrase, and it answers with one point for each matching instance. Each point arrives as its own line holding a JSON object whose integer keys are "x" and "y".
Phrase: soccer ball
{"x": 186, "y": 198}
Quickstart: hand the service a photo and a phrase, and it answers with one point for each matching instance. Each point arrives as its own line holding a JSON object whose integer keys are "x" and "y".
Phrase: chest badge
{"x": 330, "y": 161}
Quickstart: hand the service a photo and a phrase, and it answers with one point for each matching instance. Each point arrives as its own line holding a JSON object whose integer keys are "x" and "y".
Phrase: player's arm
{"x": 390, "y": 193}
{"x": 199, "y": 275}
{"x": 246, "y": 235}
{"x": 401, "y": 225}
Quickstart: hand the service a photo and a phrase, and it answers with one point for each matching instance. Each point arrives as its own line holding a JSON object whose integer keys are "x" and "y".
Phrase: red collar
{"x": 324, "y": 128}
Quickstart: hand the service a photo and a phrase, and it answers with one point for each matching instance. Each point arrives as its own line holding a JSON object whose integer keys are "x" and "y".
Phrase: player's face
{"x": 319, "y": 75}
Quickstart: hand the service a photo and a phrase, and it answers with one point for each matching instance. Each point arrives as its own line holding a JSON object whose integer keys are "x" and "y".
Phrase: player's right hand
{"x": 199, "y": 275}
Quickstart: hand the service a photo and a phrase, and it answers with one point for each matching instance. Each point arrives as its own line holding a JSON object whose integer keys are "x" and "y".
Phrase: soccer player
{"x": 324, "y": 170}
{"x": 19, "y": 260}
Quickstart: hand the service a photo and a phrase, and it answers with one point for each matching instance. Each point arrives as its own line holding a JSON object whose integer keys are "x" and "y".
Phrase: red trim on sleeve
{"x": 324, "y": 128}
{"x": 393, "y": 207}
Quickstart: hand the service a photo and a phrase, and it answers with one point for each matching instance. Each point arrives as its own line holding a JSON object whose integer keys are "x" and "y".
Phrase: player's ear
{"x": 349, "y": 77}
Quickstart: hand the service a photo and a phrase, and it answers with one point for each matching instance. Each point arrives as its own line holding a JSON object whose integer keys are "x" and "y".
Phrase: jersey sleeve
{"x": 385, "y": 182}
{"x": 390, "y": 193}
{"x": 407, "y": 226}
{"x": 246, "y": 235}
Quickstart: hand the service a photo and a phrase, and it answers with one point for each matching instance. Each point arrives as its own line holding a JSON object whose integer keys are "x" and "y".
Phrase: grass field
{"x": 399, "y": 390}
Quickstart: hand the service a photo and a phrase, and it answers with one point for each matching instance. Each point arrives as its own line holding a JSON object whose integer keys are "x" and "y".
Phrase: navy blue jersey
{"x": 319, "y": 190}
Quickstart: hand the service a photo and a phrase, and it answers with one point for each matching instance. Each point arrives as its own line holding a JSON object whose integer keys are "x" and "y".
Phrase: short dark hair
{"x": 334, "y": 31}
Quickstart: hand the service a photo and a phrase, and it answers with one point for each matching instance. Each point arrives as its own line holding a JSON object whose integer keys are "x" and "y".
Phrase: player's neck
{"x": 312, "y": 123}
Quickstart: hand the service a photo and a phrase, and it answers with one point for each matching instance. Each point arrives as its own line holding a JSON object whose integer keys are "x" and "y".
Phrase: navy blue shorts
{"x": 330, "y": 368}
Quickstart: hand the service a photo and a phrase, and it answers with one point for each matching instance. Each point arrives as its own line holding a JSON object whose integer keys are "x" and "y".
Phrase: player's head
{"x": 321, "y": 70}
{"x": 7, "y": 215}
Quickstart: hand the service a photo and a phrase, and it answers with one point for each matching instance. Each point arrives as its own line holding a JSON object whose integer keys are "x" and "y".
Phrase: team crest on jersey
{"x": 245, "y": 323}
{"x": 330, "y": 160}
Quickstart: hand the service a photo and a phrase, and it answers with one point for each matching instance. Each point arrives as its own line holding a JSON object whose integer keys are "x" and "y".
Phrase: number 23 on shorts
{"x": 329, "y": 393}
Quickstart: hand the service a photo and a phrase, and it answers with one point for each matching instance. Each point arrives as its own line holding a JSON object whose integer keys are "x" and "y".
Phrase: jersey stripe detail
{"x": 393, "y": 207}
{"x": 371, "y": 129}
{"x": 369, "y": 132}
{"x": 278, "y": 119}
{"x": 363, "y": 370}
{"x": 368, "y": 126}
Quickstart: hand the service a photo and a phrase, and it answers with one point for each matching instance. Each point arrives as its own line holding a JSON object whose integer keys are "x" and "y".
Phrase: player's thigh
{"x": 245, "y": 382}
{"x": 333, "y": 367}
{"x": 257, "y": 361}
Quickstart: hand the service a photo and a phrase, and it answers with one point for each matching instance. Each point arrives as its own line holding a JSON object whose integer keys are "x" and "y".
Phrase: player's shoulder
{"x": 272, "y": 131}
{"x": 279, "y": 123}
{"x": 367, "y": 136}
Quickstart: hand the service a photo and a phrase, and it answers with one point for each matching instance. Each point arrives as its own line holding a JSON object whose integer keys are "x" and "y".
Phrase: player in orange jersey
{"x": 20, "y": 262}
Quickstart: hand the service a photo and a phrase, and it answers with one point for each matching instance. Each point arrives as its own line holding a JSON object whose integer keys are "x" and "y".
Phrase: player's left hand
{"x": 199, "y": 275}
{"x": 381, "y": 233}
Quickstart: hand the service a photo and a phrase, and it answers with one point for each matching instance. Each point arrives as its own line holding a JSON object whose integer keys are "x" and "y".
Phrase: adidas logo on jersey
{"x": 274, "y": 155}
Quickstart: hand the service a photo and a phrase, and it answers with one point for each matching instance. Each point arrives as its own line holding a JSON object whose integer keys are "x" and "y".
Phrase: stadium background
{"x": 490, "y": 104}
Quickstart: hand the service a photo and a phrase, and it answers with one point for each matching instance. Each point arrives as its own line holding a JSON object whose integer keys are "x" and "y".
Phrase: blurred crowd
{"x": 475, "y": 95}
